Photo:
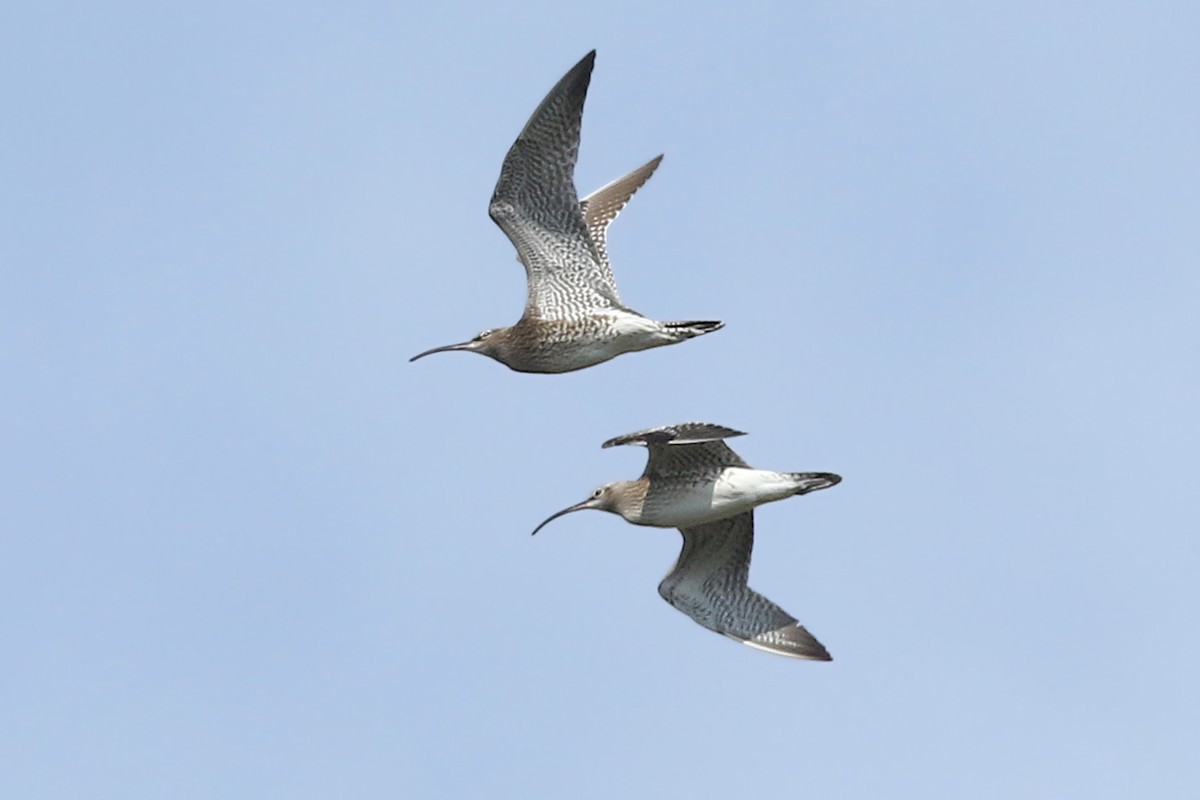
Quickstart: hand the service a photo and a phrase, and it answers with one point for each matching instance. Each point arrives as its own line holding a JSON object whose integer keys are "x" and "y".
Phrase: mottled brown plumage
{"x": 574, "y": 317}
{"x": 693, "y": 481}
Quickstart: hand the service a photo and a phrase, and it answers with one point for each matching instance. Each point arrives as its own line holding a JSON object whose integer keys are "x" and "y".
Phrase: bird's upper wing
{"x": 685, "y": 447}
{"x": 709, "y": 584}
{"x": 536, "y": 206}
{"x": 602, "y": 206}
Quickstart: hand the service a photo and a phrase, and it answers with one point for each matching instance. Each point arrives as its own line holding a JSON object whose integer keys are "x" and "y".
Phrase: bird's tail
{"x": 812, "y": 481}
{"x": 693, "y": 328}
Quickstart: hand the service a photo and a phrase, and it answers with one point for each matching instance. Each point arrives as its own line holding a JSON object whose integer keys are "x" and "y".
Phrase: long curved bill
{"x": 586, "y": 504}
{"x": 444, "y": 349}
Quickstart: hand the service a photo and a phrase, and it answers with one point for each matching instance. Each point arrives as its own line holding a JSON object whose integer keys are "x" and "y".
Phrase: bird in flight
{"x": 694, "y": 482}
{"x": 573, "y": 317}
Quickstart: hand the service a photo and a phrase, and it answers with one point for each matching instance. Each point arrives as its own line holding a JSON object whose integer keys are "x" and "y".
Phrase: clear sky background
{"x": 248, "y": 551}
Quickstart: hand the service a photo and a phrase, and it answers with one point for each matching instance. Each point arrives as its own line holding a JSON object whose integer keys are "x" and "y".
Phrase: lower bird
{"x": 573, "y": 317}
{"x": 694, "y": 482}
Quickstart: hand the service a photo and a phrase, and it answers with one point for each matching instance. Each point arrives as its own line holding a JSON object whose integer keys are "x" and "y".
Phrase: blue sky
{"x": 248, "y": 550}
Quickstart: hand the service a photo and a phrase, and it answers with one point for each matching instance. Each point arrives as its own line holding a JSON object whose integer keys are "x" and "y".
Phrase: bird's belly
{"x": 735, "y": 491}
{"x": 618, "y": 332}
{"x": 575, "y": 344}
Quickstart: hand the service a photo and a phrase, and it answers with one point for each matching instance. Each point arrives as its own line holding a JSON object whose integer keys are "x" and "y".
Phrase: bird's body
{"x": 565, "y": 345}
{"x": 574, "y": 317}
{"x": 682, "y": 501}
{"x": 693, "y": 481}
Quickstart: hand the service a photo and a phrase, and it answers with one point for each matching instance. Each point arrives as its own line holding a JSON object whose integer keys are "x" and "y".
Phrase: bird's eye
{"x": 483, "y": 334}
{"x": 597, "y": 493}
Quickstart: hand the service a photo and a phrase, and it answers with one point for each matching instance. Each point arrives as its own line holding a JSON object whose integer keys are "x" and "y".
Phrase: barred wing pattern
{"x": 536, "y": 205}
{"x": 602, "y": 206}
{"x": 683, "y": 449}
{"x": 709, "y": 584}
{"x": 684, "y": 433}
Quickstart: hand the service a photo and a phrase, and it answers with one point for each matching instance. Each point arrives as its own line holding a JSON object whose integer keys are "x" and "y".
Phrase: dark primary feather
{"x": 684, "y": 433}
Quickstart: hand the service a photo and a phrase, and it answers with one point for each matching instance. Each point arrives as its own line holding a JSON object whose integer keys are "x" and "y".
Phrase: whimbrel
{"x": 573, "y": 317}
{"x": 694, "y": 482}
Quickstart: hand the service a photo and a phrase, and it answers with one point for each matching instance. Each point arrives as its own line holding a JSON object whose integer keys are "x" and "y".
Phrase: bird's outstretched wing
{"x": 536, "y": 205}
{"x": 685, "y": 447}
{"x": 683, "y": 433}
{"x": 602, "y": 206}
{"x": 709, "y": 584}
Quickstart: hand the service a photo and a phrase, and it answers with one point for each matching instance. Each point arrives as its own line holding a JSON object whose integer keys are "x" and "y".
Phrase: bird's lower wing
{"x": 709, "y": 584}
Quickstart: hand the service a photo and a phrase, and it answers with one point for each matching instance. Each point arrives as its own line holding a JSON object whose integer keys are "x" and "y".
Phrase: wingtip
{"x": 809, "y": 655}
{"x": 823, "y": 655}
{"x": 586, "y": 63}
{"x": 706, "y": 431}
{"x": 577, "y": 79}
{"x": 793, "y": 641}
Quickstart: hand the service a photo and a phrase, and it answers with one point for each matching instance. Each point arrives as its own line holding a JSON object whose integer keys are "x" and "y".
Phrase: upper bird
{"x": 695, "y": 482}
{"x": 573, "y": 316}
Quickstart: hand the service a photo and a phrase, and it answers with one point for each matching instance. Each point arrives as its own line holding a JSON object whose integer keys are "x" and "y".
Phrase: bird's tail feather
{"x": 812, "y": 481}
{"x": 692, "y": 328}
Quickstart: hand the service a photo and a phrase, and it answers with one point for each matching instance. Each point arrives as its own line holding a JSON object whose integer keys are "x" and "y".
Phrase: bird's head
{"x": 488, "y": 343}
{"x": 606, "y": 498}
